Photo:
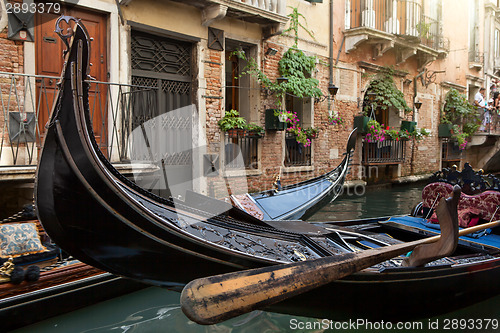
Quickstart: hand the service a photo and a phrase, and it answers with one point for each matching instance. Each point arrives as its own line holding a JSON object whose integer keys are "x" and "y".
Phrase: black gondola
{"x": 301, "y": 200}
{"x": 89, "y": 209}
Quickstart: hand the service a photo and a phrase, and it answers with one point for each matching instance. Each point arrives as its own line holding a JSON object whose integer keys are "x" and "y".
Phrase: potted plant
{"x": 394, "y": 134}
{"x": 375, "y": 131}
{"x": 233, "y": 124}
{"x": 276, "y": 119}
{"x": 463, "y": 118}
{"x": 444, "y": 129}
{"x": 335, "y": 120}
{"x": 419, "y": 133}
{"x": 361, "y": 123}
{"x": 311, "y": 132}
{"x": 409, "y": 126}
{"x": 300, "y": 135}
{"x": 295, "y": 66}
{"x": 255, "y": 131}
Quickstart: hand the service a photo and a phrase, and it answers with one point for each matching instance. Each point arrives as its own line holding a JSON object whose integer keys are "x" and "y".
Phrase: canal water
{"x": 158, "y": 310}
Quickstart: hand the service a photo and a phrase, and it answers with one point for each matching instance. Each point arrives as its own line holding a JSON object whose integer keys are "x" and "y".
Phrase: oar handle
{"x": 467, "y": 231}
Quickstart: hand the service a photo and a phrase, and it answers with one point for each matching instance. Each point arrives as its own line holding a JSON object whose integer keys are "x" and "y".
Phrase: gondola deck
{"x": 420, "y": 225}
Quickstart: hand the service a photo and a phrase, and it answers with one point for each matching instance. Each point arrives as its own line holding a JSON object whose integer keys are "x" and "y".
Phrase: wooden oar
{"x": 214, "y": 299}
{"x": 447, "y": 243}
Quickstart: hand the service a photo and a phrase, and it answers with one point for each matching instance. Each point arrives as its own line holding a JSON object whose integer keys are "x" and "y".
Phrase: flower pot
{"x": 444, "y": 130}
{"x": 255, "y": 135}
{"x": 273, "y": 122}
{"x": 361, "y": 123}
{"x": 233, "y": 133}
{"x": 408, "y": 125}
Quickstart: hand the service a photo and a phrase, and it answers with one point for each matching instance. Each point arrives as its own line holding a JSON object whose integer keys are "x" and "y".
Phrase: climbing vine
{"x": 295, "y": 65}
{"x": 386, "y": 93}
{"x": 463, "y": 115}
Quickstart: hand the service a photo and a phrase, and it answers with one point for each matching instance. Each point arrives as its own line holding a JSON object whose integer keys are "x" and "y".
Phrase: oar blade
{"x": 217, "y": 298}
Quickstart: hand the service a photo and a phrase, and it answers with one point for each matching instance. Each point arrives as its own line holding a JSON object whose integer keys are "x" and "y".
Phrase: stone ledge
{"x": 28, "y": 172}
{"x": 412, "y": 179}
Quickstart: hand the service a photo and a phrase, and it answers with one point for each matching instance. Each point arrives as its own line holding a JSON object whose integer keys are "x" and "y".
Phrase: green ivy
{"x": 462, "y": 114}
{"x": 232, "y": 120}
{"x": 296, "y": 66}
{"x": 386, "y": 93}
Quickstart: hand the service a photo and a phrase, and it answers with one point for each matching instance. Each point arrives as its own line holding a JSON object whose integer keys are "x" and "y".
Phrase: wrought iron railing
{"x": 276, "y": 6}
{"x": 476, "y": 57}
{"x": 25, "y": 103}
{"x": 296, "y": 154}
{"x": 450, "y": 151}
{"x": 398, "y": 17}
{"x": 245, "y": 145}
{"x": 384, "y": 152}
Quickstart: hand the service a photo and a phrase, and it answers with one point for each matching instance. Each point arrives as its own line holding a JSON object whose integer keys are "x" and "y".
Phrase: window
{"x": 241, "y": 90}
{"x": 295, "y": 153}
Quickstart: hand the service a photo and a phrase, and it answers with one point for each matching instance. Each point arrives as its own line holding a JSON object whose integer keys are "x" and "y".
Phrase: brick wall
{"x": 11, "y": 61}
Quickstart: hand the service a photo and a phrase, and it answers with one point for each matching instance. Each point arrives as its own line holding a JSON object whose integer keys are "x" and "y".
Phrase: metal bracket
{"x": 22, "y": 127}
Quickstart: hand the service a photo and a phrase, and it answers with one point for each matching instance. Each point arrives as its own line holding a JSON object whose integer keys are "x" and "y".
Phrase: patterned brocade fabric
{"x": 242, "y": 201}
{"x": 482, "y": 205}
{"x": 17, "y": 239}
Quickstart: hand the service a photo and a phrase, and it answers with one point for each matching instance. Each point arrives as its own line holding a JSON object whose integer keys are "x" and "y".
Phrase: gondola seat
{"x": 472, "y": 209}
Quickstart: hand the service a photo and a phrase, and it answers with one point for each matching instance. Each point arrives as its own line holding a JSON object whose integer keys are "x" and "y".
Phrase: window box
{"x": 236, "y": 132}
{"x": 361, "y": 123}
{"x": 273, "y": 122}
{"x": 408, "y": 125}
{"x": 444, "y": 130}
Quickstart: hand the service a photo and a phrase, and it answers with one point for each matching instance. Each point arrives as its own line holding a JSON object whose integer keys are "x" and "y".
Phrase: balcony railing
{"x": 383, "y": 152}
{"x": 476, "y": 57}
{"x": 295, "y": 153}
{"x": 244, "y": 145}
{"x": 25, "y": 103}
{"x": 276, "y": 6}
{"x": 398, "y": 17}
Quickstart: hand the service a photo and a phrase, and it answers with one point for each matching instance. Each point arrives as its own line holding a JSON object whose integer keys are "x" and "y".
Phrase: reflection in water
{"x": 156, "y": 310}
{"x": 374, "y": 202}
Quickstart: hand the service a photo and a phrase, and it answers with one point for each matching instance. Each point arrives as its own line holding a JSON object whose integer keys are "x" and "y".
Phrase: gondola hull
{"x": 105, "y": 220}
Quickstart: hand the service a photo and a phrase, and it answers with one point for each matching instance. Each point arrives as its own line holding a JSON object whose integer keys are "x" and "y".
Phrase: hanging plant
{"x": 295, "y": 65}
{"x": 463, "y": 115}
{"x": 335, "y": 120}
{"x": 386, "y": 93}
{"x": 375, "y": 132}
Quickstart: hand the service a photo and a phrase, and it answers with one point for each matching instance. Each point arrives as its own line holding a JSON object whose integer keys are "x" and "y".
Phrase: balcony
{"x": 384, "y": 152}
{"x": 476, "y": 60}
{"x": 394, "y": 24}
{"x": 269, "y": 13}
{"x": 296, "y": 154}
{"x": 247, "y": 147}
{"x": 25, "y": 103}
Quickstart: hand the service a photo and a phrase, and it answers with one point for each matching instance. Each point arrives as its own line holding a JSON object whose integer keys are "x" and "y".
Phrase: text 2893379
{"x": 33, "y": 8}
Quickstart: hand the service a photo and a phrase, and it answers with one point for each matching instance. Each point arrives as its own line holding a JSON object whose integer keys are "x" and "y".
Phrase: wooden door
{"x": 49, "y": 62}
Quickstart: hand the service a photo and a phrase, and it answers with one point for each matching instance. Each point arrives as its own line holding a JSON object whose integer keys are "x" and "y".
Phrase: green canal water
{"x": 158, "y": 310}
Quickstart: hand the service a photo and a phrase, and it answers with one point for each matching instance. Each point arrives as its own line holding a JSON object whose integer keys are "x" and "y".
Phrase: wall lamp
{"x": 332, "y": 91}
{"x": 418, "y": 105}
{"x": 282, "y": 80}
{"x": 271, "y": 51}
